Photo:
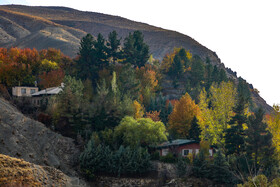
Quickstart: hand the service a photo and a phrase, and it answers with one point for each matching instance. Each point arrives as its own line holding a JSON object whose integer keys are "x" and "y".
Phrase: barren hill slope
{"x": 30, "y": 140}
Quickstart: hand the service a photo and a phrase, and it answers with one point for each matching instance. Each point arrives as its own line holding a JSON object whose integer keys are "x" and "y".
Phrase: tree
{"x": 66, "y": 107}
{"x": 216, "y": 112}
{"x": 154, "y": 115}
{"x": 176, "y": 69}
{"x": 114, "y": 46}
{"x": 136, "y": 51}
{"x": 85, "y": 64}
{"x": 100, "y": 52}
{"x": 234, "y": 138}
{"x": 197, "y": 72}
{"x": 51, "y": 79}
{"x": 182, "y": 116}
{"x": 273, "y": 122}
{"x": 195, "y": 130}
{"x": 138, "y": 110}
{"x": 143, "y": 131}
{"x": 259, "y": 143}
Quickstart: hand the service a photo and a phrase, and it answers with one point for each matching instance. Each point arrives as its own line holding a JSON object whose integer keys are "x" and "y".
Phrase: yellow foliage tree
{"x": 182, "y": 115}
{"x": 273, "y": 122}
{"x": 214, "y": 121}
{"x": 138, "y": 110}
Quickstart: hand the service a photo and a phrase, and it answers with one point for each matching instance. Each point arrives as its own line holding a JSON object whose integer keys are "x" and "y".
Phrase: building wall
{"x": 178, "y": 150}
{"x": 25, "y": 91}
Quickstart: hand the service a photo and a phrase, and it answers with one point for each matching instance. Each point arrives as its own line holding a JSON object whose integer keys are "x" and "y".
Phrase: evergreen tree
{"x": 221, "y": 172}
{"x": 235, "y": 135}
{"x": 198, "y": 70}
{"x": 209, "y": 70}
{"x": 136, "y": 51}
{"x": 85, "y": 63}
{"x": 215, "y": 75}
{"x": 222, "y": 76}
{"x": 114, "y": 46}
{"x": 100, "y": 52}
{"x": 259, "y": 142}
{"x": 195, "y": 130}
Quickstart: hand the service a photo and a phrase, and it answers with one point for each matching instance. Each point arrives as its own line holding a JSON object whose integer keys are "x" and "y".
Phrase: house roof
{"x": 176, "y": 142}
{"x": 48, "y": 91}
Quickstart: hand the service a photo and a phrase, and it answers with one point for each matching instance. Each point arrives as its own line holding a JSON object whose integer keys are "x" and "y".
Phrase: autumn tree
{"x": 182, "y": 116}
{"x": 216, "y": 111}
{"x": 154, "y": 115}
{"x": 138, "y": 110}
{"x": 51, "y": 79}
{"x": 273, "y": 122}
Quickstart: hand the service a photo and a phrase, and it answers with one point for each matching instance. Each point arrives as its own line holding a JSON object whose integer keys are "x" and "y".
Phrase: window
{"x": 23, "y": 91}
{"x": 210, "y": 152}
{"x": 164, "y": 152}
{"x": 196, "y": 151}
{"x": 185, "y": 152}
{"x": 32, "y": 91}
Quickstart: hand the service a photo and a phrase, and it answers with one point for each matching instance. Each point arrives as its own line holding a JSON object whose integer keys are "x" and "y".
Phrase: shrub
{"x": 182, "y": 166}
{"x": 124, "y": 161}
{"x": 169, "y": 158}
{"x": 155, "y": 155}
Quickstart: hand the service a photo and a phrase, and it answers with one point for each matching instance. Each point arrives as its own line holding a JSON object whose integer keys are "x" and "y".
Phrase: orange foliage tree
{"x": 51, "y": 79}
{"x": 182, "y": 115}
{"x": 154, "y": 115}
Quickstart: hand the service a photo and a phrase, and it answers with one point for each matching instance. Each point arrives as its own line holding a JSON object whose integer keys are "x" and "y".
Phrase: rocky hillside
{"x": 62, "y": 28}
{"x": 30, "y": 140}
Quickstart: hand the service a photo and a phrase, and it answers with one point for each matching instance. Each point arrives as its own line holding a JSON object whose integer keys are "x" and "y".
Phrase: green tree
{"x": 114, "y": 43}
{"x": 136, "y": 51}
{"x": 67, "y": 108}
{"x": 198, "y": 71}
{"x": 143, "y": 131}
{"x": 235, "y": 135}
{"x": 259, "y": 143}
{"x": 85, "y": 63}
{"x": 100, "y": 52}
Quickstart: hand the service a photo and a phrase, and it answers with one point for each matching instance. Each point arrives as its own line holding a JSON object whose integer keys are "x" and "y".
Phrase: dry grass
{"x": 16, "y": 172}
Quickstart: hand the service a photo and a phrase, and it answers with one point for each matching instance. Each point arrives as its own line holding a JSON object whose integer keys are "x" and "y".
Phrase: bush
{"x": 169, "y": 158}
{"x": 155, "y": 155}
{"x": 124, "y": 161}
{"x": 183, "y": 167}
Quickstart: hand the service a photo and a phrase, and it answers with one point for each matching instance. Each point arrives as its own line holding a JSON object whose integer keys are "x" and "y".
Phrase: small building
{"x": 181, "y": 147}
{"x": 24, "y": 91}
{"x": 43, "y": 95}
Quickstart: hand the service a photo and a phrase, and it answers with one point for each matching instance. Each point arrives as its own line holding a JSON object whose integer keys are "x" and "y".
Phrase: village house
{"x": 36, "y": 97}
{"x": 24, "y": 91}
{"x": 181, "y": 147}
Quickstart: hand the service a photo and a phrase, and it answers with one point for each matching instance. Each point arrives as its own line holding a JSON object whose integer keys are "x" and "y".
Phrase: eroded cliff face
{"x": 30, "y": 140}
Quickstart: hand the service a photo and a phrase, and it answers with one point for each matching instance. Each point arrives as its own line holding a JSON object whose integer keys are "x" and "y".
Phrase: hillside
{"x": 30, "y": 140}
{"x": 62, "y": 28}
